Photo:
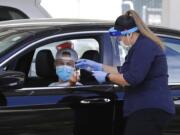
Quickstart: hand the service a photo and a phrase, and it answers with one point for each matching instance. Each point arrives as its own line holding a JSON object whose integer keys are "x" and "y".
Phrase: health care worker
{"x": 148, "y": 105}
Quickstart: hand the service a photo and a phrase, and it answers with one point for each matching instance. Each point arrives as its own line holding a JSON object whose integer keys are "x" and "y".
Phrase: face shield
{"x": 116, "y": 43}
{"x": 65, "y": 62}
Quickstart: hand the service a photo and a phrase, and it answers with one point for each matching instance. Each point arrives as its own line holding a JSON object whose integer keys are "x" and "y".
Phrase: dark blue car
{"x": 29, "y": 107}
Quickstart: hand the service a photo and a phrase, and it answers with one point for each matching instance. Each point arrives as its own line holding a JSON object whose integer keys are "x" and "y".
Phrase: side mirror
{"x": 11, "y": 80}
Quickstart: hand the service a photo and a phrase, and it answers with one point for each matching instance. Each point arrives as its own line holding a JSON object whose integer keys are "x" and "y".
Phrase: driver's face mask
{"x": 64, "y": 73}
{"x": 64, "y": 69}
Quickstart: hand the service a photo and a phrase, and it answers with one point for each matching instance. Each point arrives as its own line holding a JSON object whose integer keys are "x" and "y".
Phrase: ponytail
{"x": 144, "y": 29}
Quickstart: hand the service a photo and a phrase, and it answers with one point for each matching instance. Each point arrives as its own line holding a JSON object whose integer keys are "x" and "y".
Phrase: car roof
{"x": 50, "y": 22}
{"x": 61, "y": 22}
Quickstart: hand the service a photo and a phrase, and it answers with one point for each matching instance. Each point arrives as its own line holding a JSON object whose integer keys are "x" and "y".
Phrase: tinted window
{"x": 173, "y": 58}
{"x": 8, "y": 13}
{"x": 9, "y": 38}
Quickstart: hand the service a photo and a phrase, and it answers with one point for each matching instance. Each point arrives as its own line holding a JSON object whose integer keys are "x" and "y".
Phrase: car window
{"x": 80, "y": 46}
{"x": 173, "y": 56}
{"x": 9, "y": 38}
{"x": 8, "y": 13}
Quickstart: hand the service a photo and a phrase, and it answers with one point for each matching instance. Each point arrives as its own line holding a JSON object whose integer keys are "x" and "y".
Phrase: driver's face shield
{"x": 63, "y": 61}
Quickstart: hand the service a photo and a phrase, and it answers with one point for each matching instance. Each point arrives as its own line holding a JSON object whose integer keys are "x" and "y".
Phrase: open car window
{"x": 42, "y": 69}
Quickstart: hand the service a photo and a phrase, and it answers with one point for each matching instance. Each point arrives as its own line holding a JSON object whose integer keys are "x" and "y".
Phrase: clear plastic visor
{"x": 115, "y": 37}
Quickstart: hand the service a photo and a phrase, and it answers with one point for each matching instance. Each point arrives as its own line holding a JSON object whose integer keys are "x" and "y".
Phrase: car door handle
{"x": 176, "y": 98}
{"x": 95, "y": 101}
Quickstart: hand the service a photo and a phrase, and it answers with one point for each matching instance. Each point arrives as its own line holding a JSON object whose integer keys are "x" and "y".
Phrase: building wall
{"x": 155, "y": 12}
{"x": 174, "y": 14}
{"x": 171, "y": 13}
{"x": 88, "y": 9}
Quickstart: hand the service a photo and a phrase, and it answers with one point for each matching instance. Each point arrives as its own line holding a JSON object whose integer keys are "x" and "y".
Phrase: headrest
{"x": 86, "y": 77}
{"x": 91, "y": 55}
{"x": 45, "y": 64}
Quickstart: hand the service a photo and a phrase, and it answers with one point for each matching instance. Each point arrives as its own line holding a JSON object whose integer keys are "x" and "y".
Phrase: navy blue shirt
{"x": 145, "y": 69}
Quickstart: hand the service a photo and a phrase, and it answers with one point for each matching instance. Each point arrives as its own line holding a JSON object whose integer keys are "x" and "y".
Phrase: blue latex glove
{"x": 100, "y": 76}
{"x": 88, "y": 65}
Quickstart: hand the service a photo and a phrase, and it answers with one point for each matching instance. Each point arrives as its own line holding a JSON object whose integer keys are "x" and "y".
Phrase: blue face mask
{"x": 64, "y": 72}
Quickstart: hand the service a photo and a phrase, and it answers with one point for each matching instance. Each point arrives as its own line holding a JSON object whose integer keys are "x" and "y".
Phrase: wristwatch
{"x": 107, "y": 77}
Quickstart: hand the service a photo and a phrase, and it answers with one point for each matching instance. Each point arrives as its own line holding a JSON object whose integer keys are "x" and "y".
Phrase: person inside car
{"x": 65, "y": 60}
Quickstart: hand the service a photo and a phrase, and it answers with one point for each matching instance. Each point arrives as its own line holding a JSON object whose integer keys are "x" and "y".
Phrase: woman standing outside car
{"x": 148, "y": 105}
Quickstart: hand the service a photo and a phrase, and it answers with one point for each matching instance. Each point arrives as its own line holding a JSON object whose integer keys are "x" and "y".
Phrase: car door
{"x": 46, "y": 110}
{"x": 36, "y": 109}
{"x": 172, "y": 49}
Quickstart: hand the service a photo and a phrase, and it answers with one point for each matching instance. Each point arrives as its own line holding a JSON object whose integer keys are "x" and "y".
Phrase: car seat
{"x": 86, "y": 77}
{"x": 45, "y": 68}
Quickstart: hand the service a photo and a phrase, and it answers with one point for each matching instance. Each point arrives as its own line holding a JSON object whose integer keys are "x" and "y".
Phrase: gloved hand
{"x": 100, "y": 76}
{"x": 88, "y": 65}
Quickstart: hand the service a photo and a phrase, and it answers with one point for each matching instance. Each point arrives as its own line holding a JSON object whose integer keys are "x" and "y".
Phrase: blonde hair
{"x": 144, "y": 29}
